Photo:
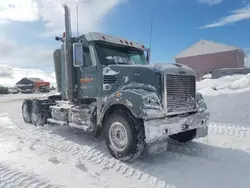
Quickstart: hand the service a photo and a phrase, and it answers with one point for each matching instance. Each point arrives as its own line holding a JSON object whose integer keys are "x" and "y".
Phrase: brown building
{"x": 205, "y": 56}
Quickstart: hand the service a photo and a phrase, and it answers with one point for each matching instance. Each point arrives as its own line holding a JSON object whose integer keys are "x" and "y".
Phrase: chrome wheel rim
{"x": 118, "y": 136}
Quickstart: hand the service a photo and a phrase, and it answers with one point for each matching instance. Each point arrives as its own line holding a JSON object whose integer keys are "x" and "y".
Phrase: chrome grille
{"x": 180, "y": 93}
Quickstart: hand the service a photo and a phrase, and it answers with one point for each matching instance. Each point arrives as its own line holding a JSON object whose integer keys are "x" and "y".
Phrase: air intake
{"x": 109, "y": 79}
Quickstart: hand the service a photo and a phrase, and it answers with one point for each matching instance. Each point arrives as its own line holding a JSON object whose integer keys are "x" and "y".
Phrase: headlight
{"x": 152, "y": 102}
{"x": 200, "y": 103}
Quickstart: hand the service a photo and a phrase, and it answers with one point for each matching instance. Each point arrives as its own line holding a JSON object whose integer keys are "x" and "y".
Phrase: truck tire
{"x": 26, "y": 110}
{"x": 37, "y": 116}
{"x": 124, "y": 136}
{"x": 184, "y": 136}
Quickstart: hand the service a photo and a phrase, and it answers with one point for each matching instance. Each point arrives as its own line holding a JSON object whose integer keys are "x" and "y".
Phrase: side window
{"x": 87, "y": 57}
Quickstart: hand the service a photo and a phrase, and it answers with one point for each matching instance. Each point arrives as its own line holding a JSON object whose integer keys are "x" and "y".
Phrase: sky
{"x": 28, "y": 27}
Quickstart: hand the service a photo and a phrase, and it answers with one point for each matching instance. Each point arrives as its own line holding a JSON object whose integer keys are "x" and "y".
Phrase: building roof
{"x": 35, "y": 79}
{"x": 207, "y": 47}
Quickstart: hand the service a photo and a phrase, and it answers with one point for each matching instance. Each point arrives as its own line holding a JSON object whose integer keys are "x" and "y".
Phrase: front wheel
{"x": 124, "y": 136}
{"x": 184, "y": 136}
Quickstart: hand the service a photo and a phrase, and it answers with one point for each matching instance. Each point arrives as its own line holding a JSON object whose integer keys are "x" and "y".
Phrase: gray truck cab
{"x": 107, "y": 85}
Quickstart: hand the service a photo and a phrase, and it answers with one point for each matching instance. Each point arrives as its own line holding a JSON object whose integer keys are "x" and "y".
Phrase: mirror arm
{"x": 148, "y": 55}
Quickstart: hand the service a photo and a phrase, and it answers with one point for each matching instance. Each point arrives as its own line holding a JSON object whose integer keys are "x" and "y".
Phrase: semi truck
{"x": 108, "y": 87}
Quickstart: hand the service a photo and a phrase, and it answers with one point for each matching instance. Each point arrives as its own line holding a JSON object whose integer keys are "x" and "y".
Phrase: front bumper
{"x": 159, "y": 129}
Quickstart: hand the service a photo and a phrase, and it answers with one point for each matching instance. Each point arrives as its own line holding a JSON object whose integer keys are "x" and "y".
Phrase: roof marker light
{"x": 103, "y": 38}
{"x": 131, "y": 43}
{"x": 126, "y": 42}
{"x": 121, "y": 41}
{"x": 142, "y": 46}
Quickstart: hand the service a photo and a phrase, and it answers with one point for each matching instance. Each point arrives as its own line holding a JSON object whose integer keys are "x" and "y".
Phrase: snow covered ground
{"x": 20, "y": 97}
{"x": 64, "y": 157}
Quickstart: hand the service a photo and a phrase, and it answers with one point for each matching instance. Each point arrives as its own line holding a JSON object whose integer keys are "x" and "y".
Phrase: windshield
{"x": 113, "y": 54}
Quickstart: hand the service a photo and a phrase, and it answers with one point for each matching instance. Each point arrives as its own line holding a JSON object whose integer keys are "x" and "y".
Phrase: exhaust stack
{"x": 68, "y": 54}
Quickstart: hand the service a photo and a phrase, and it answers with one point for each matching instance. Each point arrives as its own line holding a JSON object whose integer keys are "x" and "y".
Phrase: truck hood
{"x": 171, "y": 69}
{"x": 156, "y": 68}
{"x": 141, "y": 75}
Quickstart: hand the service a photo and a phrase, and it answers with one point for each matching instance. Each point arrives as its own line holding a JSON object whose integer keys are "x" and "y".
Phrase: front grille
{"x": 109, "y": 79}
{"x": 180, "y": 93}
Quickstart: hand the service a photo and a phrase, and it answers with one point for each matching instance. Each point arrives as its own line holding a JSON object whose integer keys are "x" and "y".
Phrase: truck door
{"x": 90, "y": 80}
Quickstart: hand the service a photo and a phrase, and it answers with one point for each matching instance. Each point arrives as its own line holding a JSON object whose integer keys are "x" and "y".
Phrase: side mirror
{"x": 78, "y": 57}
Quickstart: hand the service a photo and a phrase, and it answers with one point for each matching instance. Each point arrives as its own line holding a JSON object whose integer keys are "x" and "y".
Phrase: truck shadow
{"x": 189, "y": 165}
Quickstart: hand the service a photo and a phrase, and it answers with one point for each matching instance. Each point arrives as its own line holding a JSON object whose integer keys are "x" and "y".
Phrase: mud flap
{"x": 157, "y": 147}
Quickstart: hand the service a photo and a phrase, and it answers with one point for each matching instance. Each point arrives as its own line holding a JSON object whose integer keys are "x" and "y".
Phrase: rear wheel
{"x": 37, "y": 116}
{"x": 26, "y": 110}
{"x": 184, "y": 136}
{"x": 124, "y": 136}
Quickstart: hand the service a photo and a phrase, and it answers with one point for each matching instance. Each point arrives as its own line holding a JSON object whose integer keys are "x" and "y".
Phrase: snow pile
{"x": 10, "y": 76}
{"x": 207, "y": 76}
{"x": 224, "y": 85}
{"x": 227, "y": 98}
{"x": 109, "y": 71}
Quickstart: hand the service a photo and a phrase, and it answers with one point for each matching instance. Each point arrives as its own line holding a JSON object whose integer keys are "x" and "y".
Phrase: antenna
{"x": 77, "y": 19}
{"x": 77, "y": 27}
{"x": 151, "y": 32}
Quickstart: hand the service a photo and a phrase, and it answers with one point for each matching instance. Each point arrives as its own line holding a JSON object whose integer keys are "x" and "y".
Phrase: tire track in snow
{"x": 96, "y": 157}
{"x": 122, "y": 168}
{"x": 84, "y": 153}
{"x": 230, "y": 130}
{"x": 14, "y": 178}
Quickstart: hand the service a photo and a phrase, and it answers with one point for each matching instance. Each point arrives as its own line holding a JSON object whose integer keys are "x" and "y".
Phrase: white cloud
{"x": 16, "y": 10}
{"x": 91, "y": 12}
{"x": 210, "y": 2}
{"x": 16, "y": 55}
{"x": 13, "y": 53}
{"x": 235, "y": 16}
